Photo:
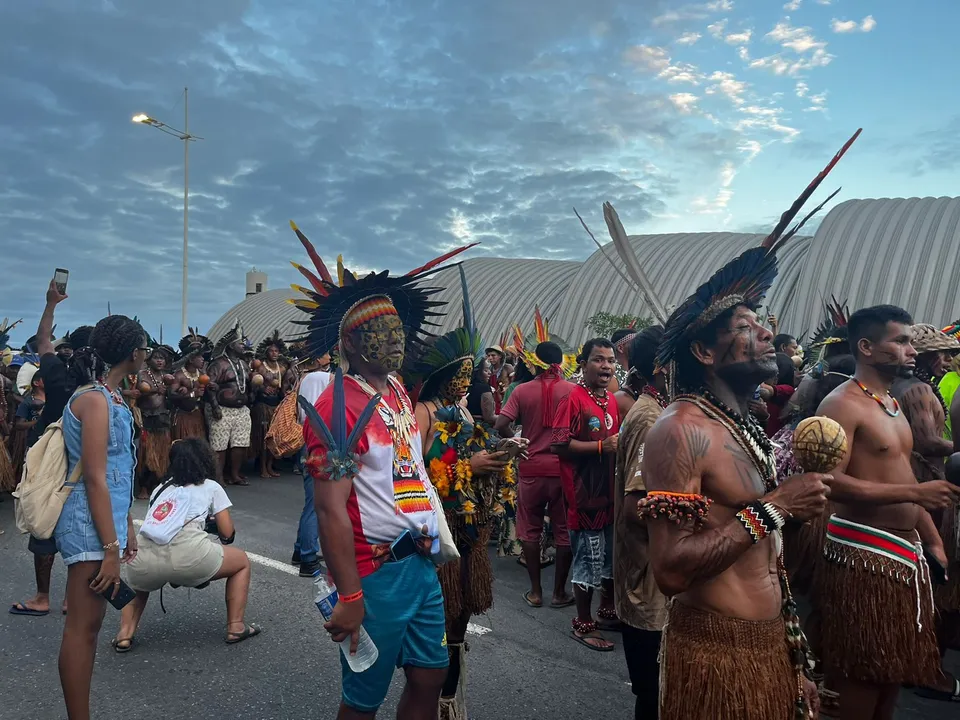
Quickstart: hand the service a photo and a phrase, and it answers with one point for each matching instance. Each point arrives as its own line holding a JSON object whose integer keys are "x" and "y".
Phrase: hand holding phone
{"x": 60, "y": 278}
{"x": 124, "y": 594}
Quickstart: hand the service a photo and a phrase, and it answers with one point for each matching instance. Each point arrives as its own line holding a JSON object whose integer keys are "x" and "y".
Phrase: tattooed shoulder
{"x": 673, "y": 452}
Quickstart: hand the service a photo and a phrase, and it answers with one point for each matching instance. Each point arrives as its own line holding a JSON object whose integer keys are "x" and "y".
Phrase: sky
{"x": 393, "y": 131}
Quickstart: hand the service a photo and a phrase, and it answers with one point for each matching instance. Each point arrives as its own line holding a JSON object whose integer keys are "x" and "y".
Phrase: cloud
{"x": 740, "y": 38}
{"x": 726, "y": 84}
{"x": 802, "y": 89}
{"x": 818, "y": 103}
{"x": 685, "y": 102}
{"x": 751, "y": 147}
{"x": 716, "y": 29}
{"x": 800, "y": 40}
{"x": 653, "y": 59}
{"x": 852, "y": 26}
{"x": 688, "y": 38}
{"x": 719, "y": 202}
{"x": 792, "y": 5}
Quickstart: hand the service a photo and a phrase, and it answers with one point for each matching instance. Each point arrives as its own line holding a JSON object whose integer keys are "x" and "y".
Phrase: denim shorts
{"x": 592, "y": 556}
{"x": 76, "y": 535}
{"x": 404, "y": 618}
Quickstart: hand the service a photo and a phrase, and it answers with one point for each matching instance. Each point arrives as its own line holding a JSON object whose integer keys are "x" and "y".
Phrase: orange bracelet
{"x": 352, "y": 597}
{"x": 599, "y": 447}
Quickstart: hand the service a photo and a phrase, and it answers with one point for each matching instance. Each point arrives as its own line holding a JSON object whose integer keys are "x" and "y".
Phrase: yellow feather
{"x": 340, "y": 269}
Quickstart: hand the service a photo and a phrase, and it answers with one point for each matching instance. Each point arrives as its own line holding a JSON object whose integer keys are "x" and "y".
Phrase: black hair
{"x": 869, "y": 323}
{"x": 643, "y": 351}
{"x": 191, "y": 462}
{"x": 786, "y": 370}
{"x": 621, "y": 334}
{"x": 549, "y": 352}
{"x": 113, "y": 340}
{"x": 835, "y": 373}
{"x": 590, "y": 345}
{"x": 81, "y": 337}
{"x": 689, "y": 370}
{"x": 782, "y": 339}
{"x": 522, "y": 374}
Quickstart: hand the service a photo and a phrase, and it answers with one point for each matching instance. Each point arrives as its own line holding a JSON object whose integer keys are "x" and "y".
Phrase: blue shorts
{"x": 592, "y": 556}
{"x": 404, "y": 617}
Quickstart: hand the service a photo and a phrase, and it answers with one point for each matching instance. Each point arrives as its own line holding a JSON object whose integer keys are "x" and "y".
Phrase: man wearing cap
{"x": 500, "y": 373}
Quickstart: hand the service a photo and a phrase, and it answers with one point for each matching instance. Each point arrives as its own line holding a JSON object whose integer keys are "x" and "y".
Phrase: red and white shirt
{"x": 389, "y": 494}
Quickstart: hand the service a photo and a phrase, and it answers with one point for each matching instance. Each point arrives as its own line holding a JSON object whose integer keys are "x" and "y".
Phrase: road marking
{"x": 472, "y": 628}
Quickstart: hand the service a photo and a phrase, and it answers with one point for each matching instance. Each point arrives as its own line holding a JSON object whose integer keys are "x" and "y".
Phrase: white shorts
{"x": 232, "y": 430}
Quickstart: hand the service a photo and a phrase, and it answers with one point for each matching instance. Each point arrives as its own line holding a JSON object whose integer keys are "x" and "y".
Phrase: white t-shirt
{"x": 311, "y": 387}
{"x": 178, "y": 506}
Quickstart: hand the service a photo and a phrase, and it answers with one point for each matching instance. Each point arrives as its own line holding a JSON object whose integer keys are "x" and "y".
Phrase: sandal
{"x": 563, "y": 603}
{"x": 237, "y": 637}
{"x": 942, "y": 695}
{"x": 118, "y": 645}
{"x": 21, "y": 609}
{"x": 584, "y": 630}
{"x": 531, "y": 603}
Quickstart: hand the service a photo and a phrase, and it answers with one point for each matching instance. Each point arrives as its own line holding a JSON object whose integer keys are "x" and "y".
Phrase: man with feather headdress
{"x": 189, "y": 387}
{"x": 378, "y": 525}
{"x": 154, "y": 384}
{"x": 227, "y": 402}
{"x": 268, "y": 390}
{"x": 732, "y": 646}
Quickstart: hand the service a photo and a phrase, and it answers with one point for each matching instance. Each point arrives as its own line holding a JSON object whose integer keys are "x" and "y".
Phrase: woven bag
{"x": 285, "y": 435}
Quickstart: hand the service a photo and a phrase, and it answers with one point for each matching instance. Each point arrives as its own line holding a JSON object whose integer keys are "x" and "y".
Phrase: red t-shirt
{"x": 587, "y": 479}
{"x": 525, "y": 407}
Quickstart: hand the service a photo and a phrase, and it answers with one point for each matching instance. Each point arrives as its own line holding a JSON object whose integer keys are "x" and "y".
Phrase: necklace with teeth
{"x": 748, "y": 433}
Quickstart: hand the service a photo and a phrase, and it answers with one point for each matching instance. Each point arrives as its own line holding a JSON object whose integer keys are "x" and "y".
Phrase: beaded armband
{"x": 760, "y": 519}
{"x": 676, "y": 507}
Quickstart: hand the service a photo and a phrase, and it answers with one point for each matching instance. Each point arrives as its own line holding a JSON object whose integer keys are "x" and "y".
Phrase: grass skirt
{"x": 188, "y": 425}
{"x": 155, "y": 451}
{"x": 802, "y": 547}
{"x": 467, "y": 583}
{"x": 720, "y": 668}
{"x": 260, "y": 416}
{"x": 870, "y": 631}
{"x": 8, "y": 481}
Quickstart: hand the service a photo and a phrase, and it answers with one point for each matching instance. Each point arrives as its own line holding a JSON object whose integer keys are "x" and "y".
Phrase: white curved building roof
{"x": 900, "y": 251}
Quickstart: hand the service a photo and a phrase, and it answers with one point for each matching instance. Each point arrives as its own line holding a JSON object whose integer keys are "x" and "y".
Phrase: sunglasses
{"x": 146, "y": 351}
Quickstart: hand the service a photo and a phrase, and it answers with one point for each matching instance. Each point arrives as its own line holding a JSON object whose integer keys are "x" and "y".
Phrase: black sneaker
{"x": 295, "y": 560}
{"x": 310, "y": 569}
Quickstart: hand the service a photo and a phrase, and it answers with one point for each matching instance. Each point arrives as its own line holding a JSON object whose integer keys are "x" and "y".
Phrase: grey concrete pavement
{"x": 525, "y": 667}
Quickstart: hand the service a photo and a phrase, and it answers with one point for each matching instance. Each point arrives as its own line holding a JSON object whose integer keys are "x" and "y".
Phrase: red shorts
{"x": 536, "y": 495}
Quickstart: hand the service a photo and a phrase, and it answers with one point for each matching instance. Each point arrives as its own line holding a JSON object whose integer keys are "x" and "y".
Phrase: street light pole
{"x": 186, "y": 193}
{"x": 187, "y": 138}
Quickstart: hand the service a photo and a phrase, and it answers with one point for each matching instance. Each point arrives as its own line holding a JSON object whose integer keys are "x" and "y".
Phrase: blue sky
{"x": 391, "y": 131}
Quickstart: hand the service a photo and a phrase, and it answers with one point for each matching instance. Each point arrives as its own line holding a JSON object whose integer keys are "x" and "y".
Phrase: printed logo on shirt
{"x": 162, "y": 510}
{"x": 593, "y": 423}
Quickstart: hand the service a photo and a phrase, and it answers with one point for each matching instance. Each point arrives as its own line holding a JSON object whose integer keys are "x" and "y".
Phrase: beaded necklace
{"x": 879, "y": 400}
{"x": 114, "y": 393}
{"x": 748, "y": 433}
{"x": 153, "y": 380}
{"x": 241, "y": 377}
{"x": 651, "y": 391}
{"x": 601, "y": 401}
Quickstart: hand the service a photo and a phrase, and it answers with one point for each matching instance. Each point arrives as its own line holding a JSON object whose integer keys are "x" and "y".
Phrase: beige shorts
{"x": 232, "y": 430}
{"x": 190, "y": 559}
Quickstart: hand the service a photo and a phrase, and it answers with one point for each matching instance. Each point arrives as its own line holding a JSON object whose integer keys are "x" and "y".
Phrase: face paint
{"x": 459, "y": 384}
{"x": 381, "y": 342}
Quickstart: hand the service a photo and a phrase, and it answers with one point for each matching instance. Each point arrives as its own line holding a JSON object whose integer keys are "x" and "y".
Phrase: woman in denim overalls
{"x": 95, "y": 525}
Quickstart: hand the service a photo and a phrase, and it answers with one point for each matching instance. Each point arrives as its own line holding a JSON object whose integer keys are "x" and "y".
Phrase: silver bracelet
{"x": 774, "y": 512}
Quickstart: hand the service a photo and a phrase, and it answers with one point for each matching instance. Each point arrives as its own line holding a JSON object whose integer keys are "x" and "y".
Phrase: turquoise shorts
{"x": 404, "y": 617}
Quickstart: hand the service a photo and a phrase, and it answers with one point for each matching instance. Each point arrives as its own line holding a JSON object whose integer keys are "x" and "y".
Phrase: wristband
{"x": 352, "y": 597}
{"x": 111, "y": 546}
{"x": 774, "y": 512}
{"x": 599, "y": 447}
{"x": 675, "y": 507}
{"x": 758, "y": 521}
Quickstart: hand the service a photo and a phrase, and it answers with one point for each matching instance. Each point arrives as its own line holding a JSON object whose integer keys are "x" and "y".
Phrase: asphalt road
{"x": 522, "y": 663}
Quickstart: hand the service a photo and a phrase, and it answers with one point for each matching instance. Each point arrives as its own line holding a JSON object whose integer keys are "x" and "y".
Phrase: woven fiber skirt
{"x": 720, "y": 668}
{"x": 189, "y": 425}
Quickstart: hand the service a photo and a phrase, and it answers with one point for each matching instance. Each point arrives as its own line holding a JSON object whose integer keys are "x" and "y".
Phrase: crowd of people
{"x": 771, "y": 531}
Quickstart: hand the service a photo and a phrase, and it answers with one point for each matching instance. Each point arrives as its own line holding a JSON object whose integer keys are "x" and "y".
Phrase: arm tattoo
{"x": 746, "y": 470}
{"x": 683, "y": 447}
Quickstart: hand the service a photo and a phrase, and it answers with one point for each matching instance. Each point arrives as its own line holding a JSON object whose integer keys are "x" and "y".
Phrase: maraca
{"x": 255, "y": 365}
{"x": 169, "y": 379}
{"x": 953, "y": 468}
{"x": 256, "y": 379}
{"x": 819, "y": 444}
{"x": 145, "y": 387}
{"x": 203, "y": 380}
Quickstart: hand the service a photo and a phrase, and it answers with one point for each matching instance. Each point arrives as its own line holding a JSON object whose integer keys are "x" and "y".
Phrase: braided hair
{"x": 113, "y": 340}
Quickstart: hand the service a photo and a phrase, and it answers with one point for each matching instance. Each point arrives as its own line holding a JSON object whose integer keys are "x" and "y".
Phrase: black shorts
{"x": 42, "y": 547}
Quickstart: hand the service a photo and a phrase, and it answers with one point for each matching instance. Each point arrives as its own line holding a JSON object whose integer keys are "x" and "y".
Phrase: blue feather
{"x": 362, "y": 422}
{"x": 319, "y": 426}
{"x": 467, "y": 311}
{"x": 339, "y": 414}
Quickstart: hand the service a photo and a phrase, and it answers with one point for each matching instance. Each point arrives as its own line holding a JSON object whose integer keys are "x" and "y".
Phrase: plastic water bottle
{"x": 326, "y": 599}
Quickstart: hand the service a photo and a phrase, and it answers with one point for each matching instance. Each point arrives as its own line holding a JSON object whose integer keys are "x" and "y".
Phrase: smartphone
{"x": 511, "y": 447}
{"x": 125, "y": 594}
{"x": 403, "y": 546}
{"x": 60, "y": 277}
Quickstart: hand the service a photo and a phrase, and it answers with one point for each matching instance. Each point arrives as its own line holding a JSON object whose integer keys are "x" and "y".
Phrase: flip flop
{"x": 591, "y": 635}
{"x": 531, "y": 603}
{"x": 21, "y": 609}
{"x": 943, "y": 695}
{"x": 566, "y": 603}
{"x": 248, "y": 631}
{"x": 116, "y": 642}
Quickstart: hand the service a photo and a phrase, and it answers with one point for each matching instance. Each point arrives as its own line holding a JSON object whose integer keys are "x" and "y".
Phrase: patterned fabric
{"x": 639, "y": 601}
{"x": 232, "y": 430}
{"x": 783, "y": 453}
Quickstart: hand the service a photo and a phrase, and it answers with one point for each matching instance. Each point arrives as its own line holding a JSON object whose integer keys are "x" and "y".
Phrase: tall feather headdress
{"x": 427, "y": 372}
{"x": 744, "y": 280}
{"x": 327, "y": 301}
{"x": 231, "y": 336}
{"x": 193, "y": 342}
{"x": 274, "y": 340}
{"x": 542, "y": 334}
{"x": 5, "y": 327}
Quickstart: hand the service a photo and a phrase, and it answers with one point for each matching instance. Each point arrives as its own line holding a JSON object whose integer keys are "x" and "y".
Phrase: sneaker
{"x": 295, "y": 560}
{"x": 310, "y": 569}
